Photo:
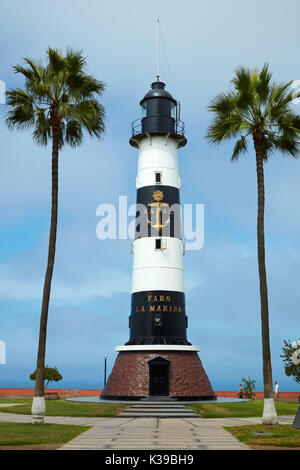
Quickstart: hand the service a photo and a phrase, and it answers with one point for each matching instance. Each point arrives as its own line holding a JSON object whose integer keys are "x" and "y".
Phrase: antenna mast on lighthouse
{"x": 157, "y": 49}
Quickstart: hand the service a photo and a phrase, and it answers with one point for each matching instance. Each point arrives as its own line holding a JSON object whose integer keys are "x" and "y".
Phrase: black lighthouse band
{"x": 158, "y": 212}
{"x": 158, "y": 317}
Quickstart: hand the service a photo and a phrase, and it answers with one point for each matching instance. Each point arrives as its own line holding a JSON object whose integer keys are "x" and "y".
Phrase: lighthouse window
{"x": 173, "y": 110}
{"x": 144, "y": 110}
{"x": 157, "y": 177}
{"x": 160, "y": 244}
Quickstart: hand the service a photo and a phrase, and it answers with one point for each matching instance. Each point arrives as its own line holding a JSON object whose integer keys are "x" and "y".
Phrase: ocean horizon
{"x": 94, "y": 385}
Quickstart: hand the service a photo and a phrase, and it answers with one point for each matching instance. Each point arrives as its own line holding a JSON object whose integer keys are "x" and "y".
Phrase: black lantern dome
{"x": 160, "y": 116}
{"x": 158, "y": 91}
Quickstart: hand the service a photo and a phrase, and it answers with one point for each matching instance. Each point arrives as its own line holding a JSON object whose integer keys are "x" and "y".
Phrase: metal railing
{"x": 136, "y": 127}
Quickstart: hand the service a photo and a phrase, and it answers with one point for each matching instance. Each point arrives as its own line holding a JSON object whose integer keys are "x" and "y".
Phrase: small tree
{"x": 51, "y": 374}
{"x": 290, "y": 356}
{"x": 249, "y": 387}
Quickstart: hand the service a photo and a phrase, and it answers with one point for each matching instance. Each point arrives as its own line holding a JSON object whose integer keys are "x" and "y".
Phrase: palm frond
{"x": 26, "y": 71}
{"x": 56, "y": 61}
{"x": 42, "y": 127}
{"x": 242, "y": 79}
{"x": 256, "y": 105}
{"x": 90, "y": 114}
{"x": 61, "y": 85}
{"x": 36, "y": 68}
{"x": 18, "y": 97}
{"x": 75, "y": 61}
{"x": 223, "y": 104}
{"x": 73, "y": 134}
{"x": 20, "y": 117}
{"x": 263, "y": 84}
{"x": 239, "y": 148}
{"x": 289, "y": 146}
{"x": 82, "y": 86}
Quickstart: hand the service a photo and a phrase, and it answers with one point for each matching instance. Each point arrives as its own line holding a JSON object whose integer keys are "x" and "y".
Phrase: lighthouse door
{"x": 159, "y": 377}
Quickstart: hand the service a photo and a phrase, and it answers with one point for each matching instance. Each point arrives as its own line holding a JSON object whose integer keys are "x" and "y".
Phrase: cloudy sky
{"x": 90, "y": 303}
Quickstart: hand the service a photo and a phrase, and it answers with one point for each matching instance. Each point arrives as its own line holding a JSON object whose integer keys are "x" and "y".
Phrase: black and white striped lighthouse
{"x": 158, "y": 359}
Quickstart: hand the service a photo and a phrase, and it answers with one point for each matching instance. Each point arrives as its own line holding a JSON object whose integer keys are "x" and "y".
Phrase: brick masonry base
{"x": 130, "y": 376}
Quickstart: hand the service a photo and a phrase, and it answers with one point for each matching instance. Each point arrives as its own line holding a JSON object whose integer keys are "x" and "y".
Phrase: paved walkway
{"x": 5, "y": 405}
{"x": 150, "y": 433}
{"x": 156, "y": 434}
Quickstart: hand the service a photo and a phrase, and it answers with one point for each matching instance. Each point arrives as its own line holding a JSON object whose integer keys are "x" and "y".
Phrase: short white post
{"x": 38, "y": 410}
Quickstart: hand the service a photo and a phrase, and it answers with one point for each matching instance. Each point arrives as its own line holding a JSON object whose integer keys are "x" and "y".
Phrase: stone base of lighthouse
{"x": 159, "y": 373}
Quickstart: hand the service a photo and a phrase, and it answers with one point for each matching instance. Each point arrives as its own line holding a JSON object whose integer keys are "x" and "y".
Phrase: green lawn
{"x": 250, "y": 409}
{"x": 253, "y": 408}
{"x": 16, "y": 400}
{"x": 20, "y": 434}
{"x": 282, "y": 435}
{"x": 67, "y": 408}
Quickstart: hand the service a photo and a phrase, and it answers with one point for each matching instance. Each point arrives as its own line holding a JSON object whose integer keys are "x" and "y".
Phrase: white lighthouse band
{"x": 158, "y": 157}
{"x": 158, "y": 269}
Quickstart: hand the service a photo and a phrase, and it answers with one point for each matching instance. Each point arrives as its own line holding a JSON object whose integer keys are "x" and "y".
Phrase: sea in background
{"x": 230, "y": 385}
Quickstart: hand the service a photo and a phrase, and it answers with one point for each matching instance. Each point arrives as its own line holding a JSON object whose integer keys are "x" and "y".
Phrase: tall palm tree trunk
{"x": 38, "y": 407}
{"x": 269, "y": 414}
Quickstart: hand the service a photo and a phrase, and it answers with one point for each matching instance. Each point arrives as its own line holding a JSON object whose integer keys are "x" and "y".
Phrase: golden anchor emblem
{"x": 159, "y": 208}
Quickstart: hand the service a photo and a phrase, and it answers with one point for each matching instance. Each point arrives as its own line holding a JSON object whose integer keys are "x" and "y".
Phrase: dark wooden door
{"x": 159, "y": 377}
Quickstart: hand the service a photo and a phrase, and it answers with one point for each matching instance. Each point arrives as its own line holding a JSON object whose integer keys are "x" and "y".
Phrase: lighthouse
{"x": 158, "y": 360}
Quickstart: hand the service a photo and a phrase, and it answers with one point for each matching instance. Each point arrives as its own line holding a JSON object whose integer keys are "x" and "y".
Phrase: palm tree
{"x": 256, "y": 107}
{"x": 59, "y": 101}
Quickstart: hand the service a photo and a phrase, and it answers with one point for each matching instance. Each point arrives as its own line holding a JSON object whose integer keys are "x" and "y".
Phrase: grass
{"x": 283, "y": 435}
{"x": 63, "y": 407}
{"x": 68, "y": 408}
{"x": 20, "y": 434}
{"x": 251, "y": 409}
{"x": 11, "y": 400}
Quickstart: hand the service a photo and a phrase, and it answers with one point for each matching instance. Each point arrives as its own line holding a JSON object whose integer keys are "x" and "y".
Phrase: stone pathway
{"x": 156, "y": 434}
{"x": 5, "y": 405}
{"x": 150, "y": 433}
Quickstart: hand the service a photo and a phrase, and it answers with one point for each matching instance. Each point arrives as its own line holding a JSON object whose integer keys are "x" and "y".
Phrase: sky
{"x": 202, "y": 43}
